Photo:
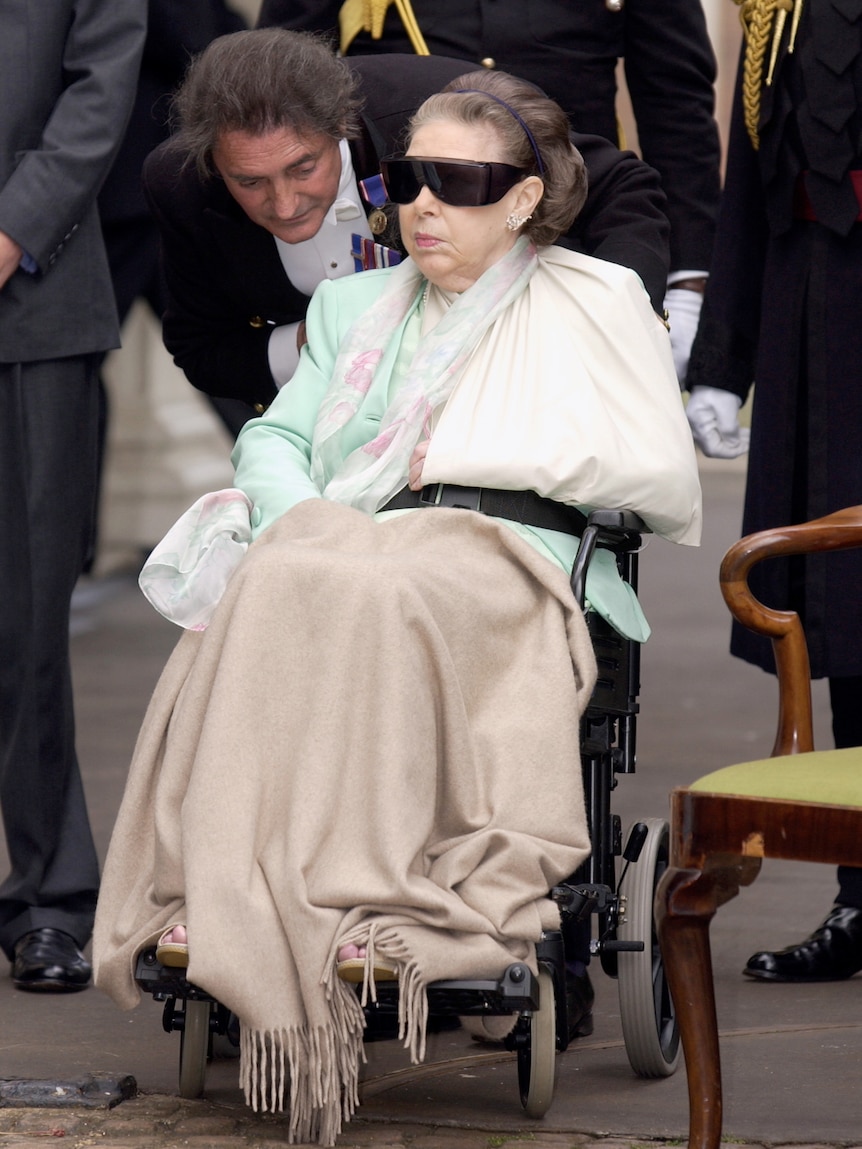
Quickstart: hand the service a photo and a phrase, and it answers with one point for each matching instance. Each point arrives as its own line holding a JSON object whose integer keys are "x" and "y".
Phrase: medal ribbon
{"x": 366, "y": 253}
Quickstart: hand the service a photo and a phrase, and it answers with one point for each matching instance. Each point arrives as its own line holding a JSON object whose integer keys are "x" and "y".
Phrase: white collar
{"x": 346, "y": 204}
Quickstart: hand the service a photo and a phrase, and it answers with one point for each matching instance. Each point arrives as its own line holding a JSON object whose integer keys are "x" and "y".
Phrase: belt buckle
{"x": 461, "y": 498}
{"x": 452, "y": 495}
{"x": 430, "y": 496}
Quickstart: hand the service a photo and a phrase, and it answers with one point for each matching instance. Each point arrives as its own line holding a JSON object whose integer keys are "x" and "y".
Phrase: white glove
{"x": 683, "y": 309}
{"x": 713, "y": 415}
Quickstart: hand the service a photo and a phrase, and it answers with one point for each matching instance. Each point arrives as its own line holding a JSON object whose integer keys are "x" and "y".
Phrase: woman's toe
{"x": 346, "y": 953}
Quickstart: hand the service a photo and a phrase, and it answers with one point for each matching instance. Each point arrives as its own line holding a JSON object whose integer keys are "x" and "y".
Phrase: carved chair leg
{"x": 686, "y": 901}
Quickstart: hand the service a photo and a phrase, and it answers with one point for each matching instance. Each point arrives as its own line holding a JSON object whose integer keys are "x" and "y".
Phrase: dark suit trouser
{"x": 845, "y": 695}
{"x": 48, "y": 428}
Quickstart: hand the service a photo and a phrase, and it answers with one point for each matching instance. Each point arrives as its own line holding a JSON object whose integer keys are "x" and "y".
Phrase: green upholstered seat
{"x": 833, "y": 777}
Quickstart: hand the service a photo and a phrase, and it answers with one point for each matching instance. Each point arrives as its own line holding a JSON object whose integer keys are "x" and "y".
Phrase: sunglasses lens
{"x": 403, "y": 184}
{"x": 460, "y": 183}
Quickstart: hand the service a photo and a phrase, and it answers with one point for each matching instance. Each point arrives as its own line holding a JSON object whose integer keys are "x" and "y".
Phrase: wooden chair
{"x": 800, "y": 804}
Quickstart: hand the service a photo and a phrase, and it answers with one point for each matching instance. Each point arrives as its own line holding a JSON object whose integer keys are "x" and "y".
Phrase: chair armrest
{"x": 841, "y": 530}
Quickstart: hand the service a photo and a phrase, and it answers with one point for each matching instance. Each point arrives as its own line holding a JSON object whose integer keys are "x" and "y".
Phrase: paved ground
{"x": 792, "y": 1055}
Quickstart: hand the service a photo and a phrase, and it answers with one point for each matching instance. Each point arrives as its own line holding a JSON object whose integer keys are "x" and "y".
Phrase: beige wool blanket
{"x": 375, "y": 739}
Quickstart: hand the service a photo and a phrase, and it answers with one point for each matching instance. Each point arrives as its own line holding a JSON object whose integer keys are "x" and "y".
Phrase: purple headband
{"x": 512, "y": 112}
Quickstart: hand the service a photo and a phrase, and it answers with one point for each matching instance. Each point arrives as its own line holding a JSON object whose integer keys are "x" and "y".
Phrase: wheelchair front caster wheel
{"x": 194, "y": 1047}
{"x": 537, "y": 1058}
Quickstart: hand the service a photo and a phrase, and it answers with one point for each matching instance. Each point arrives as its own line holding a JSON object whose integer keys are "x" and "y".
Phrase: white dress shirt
{"x": 326, "y": 255}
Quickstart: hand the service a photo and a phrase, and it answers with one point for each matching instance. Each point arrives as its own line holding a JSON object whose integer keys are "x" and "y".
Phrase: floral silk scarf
{"x": 374, "y": 472}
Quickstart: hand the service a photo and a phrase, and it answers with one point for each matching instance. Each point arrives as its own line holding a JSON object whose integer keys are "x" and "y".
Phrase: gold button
{"x": 256, "y": 321}
{"x": 488, "y": 62}
{"x": 614, "y": 5}
{"x": 260, "y": 408}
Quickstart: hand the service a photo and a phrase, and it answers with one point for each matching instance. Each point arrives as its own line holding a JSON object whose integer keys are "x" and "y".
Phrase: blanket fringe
{"x": 311, "y": 1072}
{"x": 412, "y": 998}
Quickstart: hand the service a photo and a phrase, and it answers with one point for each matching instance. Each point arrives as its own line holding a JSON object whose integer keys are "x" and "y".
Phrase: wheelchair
{"x": 624, "y": 939}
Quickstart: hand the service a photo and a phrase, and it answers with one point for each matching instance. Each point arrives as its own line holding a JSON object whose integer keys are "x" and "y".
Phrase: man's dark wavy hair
{"x": 260, "y": 81}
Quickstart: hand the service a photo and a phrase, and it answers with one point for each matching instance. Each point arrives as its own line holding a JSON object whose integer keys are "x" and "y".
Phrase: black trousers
{"x": 48, "y": 467}
{"x": 845, "y": 695}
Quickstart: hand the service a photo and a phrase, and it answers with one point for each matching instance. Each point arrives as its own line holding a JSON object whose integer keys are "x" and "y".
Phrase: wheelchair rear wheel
{"x": 537, "y": 1057}
{"x": 648, "y": 1018}
{"x": 194, "y": 1047}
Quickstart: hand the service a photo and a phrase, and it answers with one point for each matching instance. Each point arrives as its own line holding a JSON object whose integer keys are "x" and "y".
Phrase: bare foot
{"x": 177, "y": 936}
{"x": 345, "y": 953}
{"x": 172, "y": 948}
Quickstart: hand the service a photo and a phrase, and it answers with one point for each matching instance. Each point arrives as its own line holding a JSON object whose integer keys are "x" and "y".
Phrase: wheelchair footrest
{"x": 165, "y": 981}
{"x": 517, "y": 991}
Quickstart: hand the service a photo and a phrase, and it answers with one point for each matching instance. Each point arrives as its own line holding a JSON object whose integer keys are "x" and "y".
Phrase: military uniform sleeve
{"x": 623, "y": 220}
{"x": 670, "y": 73}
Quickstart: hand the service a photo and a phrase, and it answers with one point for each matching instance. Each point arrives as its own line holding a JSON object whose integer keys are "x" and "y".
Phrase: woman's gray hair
{"x": 564, "y": 173}
{"x": 260, "y": 81}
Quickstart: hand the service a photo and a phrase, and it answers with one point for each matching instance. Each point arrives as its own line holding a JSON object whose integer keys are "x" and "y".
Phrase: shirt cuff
{"x": 283, "y": 354}
{"x": 678, "y": 276}
{"x": 28, "y": 263}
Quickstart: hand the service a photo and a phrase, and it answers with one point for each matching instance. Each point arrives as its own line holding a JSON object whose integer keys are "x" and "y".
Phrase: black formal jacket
{"x": 570, "y": 49}
{"x": 782, "y": 309}
{"x": 227, "y": 287}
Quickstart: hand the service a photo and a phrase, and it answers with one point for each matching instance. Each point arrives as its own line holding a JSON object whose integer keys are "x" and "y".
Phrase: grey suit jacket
{"x": 68, "y": 72}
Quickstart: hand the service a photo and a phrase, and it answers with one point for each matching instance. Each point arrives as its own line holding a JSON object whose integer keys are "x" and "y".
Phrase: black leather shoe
{"x": 580, "y": 996}
{"x": 832, "y": 953}
{"x": 48, "y": 961}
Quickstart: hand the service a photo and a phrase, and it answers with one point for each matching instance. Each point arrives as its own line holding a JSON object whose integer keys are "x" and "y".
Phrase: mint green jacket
{"x": 272, "y": 455}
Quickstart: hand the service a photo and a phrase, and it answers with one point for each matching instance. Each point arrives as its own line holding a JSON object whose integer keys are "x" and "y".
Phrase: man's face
{"x": 284, "y": 182}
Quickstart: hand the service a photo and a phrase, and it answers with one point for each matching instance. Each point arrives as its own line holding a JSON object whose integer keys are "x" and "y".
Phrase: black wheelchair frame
{"x": 625, "y": 940}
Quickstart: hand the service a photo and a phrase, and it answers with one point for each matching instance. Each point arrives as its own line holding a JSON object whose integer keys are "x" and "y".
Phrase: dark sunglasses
{"x": 461, "y": 183}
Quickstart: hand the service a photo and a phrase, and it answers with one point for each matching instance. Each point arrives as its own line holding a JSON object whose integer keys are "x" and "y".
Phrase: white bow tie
{"x": 346, "y": 209}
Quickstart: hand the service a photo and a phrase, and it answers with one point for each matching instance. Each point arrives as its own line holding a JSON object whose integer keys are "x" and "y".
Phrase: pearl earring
{"x": 513, "y": 222}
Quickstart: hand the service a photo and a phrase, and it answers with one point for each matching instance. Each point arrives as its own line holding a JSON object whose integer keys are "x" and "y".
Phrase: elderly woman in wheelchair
{"x": 362, "y": 759}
